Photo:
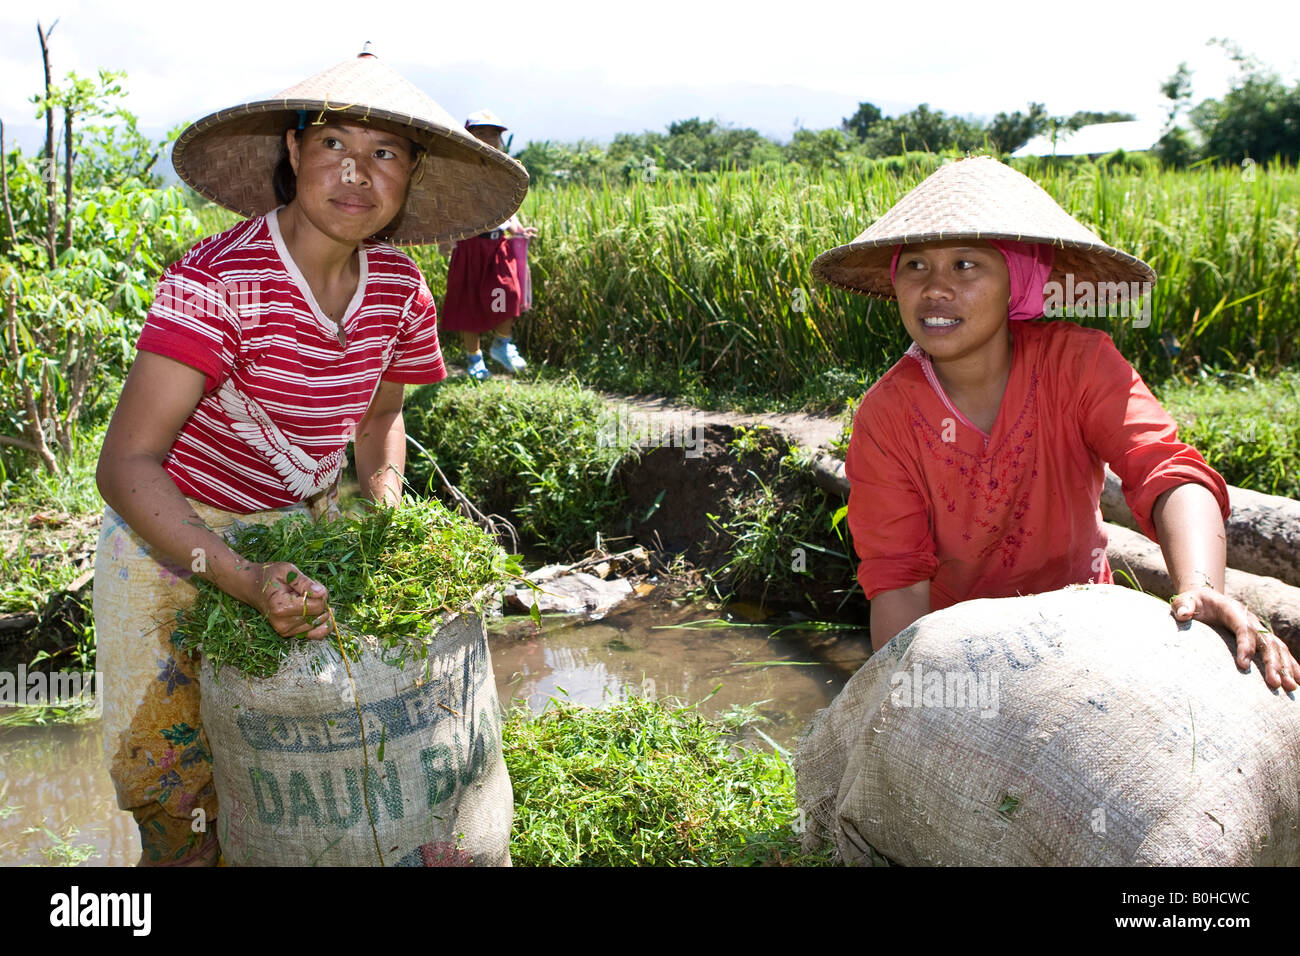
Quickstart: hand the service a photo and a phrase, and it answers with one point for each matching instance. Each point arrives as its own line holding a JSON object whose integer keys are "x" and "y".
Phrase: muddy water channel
{"x": 57, "y": 804}
{"x": 646, "y": 649}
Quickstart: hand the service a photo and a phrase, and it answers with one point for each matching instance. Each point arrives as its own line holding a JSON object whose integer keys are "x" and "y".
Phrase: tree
{"x": 817, "y": 148}
{"x": 859, "y": 124}
{"x": 1084, "y": 118}
{"x": 1174, "y": 147}
{"x": 1178, "y": 90}
{"x": 923, "y": 129}
{"x": 70, "y": 310}
{"x": 1008, "y": 132}
{"x": 1258, "y": 118}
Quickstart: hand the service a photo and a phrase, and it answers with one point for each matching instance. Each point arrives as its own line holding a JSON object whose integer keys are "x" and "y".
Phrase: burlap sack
{"x": 292, "y": 779}
{"x": 1078, "y": 727}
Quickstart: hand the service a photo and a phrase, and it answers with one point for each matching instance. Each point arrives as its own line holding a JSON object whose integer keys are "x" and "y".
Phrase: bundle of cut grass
{"x": 393, "y": 574}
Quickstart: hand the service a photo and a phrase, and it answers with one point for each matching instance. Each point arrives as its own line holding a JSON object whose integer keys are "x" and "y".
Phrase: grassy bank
{"x": 1247, "y": 426}
{"x": 542, "y": 455}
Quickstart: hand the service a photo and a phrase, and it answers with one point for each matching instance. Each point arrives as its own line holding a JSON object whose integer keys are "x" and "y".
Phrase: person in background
{"x": 488, "y": 284}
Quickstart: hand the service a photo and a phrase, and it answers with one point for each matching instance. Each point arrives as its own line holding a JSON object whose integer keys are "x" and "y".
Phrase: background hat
{"x": 977, "y": 198}
{"x": 462, "y": 188}
{"x": 484, "y": 118}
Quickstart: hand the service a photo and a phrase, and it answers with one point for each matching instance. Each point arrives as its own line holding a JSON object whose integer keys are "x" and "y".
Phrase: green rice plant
{"x": 646, "y": 783}
{"x": 394, "y": 574}
{"x": 701, "y": 286}
{"x": 705, "y": 285}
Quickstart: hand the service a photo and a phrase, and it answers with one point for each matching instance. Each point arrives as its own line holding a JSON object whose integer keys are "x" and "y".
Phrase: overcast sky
{"x": 564, "y": 70}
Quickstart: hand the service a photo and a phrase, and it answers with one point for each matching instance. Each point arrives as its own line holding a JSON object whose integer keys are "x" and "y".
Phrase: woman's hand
{"x": 1205, "y": 604}
{"x": 295, "y": 605}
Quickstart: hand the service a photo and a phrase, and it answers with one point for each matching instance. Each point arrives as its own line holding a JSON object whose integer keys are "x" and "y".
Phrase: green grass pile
{"x": 394, "y": 574}
{"x": 645, "y": 783}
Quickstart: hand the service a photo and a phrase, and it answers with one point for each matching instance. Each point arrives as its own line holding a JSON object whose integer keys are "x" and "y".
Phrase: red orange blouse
{"x": 1014, "y": 511}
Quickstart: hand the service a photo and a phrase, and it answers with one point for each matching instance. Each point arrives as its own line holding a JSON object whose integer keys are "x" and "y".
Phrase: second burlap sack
{"x": 1078, "y": 727}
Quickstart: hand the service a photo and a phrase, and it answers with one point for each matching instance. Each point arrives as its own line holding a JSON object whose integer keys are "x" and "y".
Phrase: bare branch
{"x": 19, "y": 443}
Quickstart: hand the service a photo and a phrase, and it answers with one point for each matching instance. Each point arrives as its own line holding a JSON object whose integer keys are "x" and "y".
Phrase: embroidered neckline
{"x": 922, "y": 358}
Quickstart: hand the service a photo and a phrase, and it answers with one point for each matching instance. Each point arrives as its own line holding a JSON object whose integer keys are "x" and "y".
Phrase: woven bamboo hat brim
{"x": 977, "y": 198}
{"x": 463, "y": 187}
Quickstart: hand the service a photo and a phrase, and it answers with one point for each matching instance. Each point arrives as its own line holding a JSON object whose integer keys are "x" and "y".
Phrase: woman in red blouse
{"x": 976, "y": 462}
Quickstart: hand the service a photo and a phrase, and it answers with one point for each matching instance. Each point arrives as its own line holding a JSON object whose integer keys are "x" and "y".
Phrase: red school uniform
{"x": 483, "y": 284}
{"x": 282, "y": 393}
{"x": 1014, "y": 511}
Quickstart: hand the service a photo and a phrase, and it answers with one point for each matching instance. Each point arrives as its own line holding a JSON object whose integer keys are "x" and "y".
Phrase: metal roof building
{"x": 1094, "y": 140}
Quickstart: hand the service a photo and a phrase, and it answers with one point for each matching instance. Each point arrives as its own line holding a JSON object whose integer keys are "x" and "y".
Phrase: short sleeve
{"x": 192, "y": 321}
{"x": 1131, "y": 431}
{"x": 888, "y": 514}
{"x": 417, "y": 357}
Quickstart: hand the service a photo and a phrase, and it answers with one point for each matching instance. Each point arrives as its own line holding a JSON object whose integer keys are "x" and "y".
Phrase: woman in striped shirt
{"x": 268, "y": 348}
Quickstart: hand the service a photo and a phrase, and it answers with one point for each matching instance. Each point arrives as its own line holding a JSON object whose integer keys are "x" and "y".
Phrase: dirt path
{"x": 662, "y": 415}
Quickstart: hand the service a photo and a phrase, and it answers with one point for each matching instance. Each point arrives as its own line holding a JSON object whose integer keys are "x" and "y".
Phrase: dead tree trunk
{"x": 48, "y": 163}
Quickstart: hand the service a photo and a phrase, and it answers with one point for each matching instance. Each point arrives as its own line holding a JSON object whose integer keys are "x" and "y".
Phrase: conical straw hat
{"x": 977, "y": 198}
{"x": 464, "y": 186}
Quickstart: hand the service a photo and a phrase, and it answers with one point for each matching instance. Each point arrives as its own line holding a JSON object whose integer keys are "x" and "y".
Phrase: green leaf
{"x": 839, "y": 516}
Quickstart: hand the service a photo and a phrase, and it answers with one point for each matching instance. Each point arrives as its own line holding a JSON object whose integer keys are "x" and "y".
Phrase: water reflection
{"x": 793, "y": 674}
{"x": 53, "y": 778}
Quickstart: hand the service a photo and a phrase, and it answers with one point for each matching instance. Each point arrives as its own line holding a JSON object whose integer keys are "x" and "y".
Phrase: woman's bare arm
{"x": 892, "y": 611}
{"x": 1190, "y": 529}
{"x": 157, "y": 399}
{"x": 379, "y": 446}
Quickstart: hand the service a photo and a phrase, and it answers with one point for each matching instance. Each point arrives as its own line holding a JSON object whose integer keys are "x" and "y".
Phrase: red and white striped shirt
{"x": 283, "y": 395}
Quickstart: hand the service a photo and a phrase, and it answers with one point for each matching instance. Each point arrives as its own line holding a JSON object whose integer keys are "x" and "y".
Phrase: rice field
{"x": 706, "y": 281}
{"x": 710, "y": 279}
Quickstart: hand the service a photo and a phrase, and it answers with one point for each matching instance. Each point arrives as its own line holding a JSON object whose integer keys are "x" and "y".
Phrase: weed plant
{"x": 541, "y": 452}
{"x": 394, "y": 574}
{"x": 645, "y": 783}
{"x": 783, "y": 534}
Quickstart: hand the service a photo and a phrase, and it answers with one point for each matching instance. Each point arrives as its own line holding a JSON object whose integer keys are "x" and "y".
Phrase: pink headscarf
{"x": 1028, "y": 266}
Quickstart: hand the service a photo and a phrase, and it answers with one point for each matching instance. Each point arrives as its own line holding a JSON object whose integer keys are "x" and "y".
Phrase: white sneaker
{"x": 477, "y": 370}
{"x": 504, "y": 353}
